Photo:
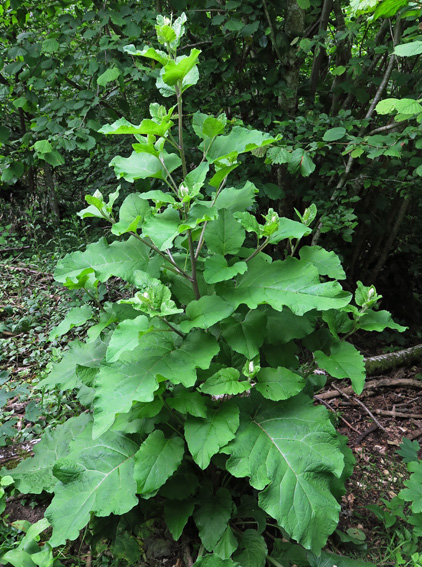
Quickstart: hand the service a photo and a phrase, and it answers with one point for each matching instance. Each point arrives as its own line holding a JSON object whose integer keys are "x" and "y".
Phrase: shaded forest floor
{"x": 31, "y": 304}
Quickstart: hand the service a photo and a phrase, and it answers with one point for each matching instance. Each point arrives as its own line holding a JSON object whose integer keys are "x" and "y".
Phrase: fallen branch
{"x": 374, "y": 384}
{"x": 368, "y": 411}
{"x": 382, "y": 362}
{"x": 326, "y": 404}
{"x": 21, "y": 269}
{"x": 392, "y": 413}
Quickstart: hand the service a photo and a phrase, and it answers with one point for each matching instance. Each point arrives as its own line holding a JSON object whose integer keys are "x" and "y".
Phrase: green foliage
{"x": 196, "y": 374}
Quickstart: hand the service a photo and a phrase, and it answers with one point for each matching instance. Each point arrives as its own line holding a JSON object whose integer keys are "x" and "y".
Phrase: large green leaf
{"x": 225, "y": 235}
{"x": 35, "y": 475}
{"x": 344, "y": 361}
{"x": 135, "y": 376}
{"x": 176, "y": 514}
{"x": 205, "y": 312}
{"x": 292, "y": 283}
{"x": 118, "y": 259}
{"x": 206, "y": 436}
{"x": 131, "y": 215}
{"x": 157, "y": 459}
{"x": 96, "y": 478}
{"x": 126, "y": 337}
{"x": 64, "y": 374}
{"x": 143, "y": 165}
{"x": 378, "y": 321}
{"x": 74, "y": 318}
{"x": 217, "y": 269}
{"x": 282, "y": 327}
{"x": 239, "y": 140}
{"x": 289, "y": 229}
{"x": 327, "y": 263}
{"x": 290, "y": 451}
{"x": 237, "y": 200}
{"x": 175, "y": 71}
{"x": 162, "y": 228}
{"x": 246, "y": 334}
{"x": 212, "y": 515}
{"x": 147, "y": 126}
{"x": 225, "y": 382}
{"x": 279, "y": 383}
{"x": 252, "y": 550}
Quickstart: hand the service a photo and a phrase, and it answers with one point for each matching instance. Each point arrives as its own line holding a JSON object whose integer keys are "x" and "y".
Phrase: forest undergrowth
{"x": 371, "y": 527}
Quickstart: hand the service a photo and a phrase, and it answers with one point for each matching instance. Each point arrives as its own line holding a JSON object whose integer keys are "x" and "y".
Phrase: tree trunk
{"x": 52, "y": 197}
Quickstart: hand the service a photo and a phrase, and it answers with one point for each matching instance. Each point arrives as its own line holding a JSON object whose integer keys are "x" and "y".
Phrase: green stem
{"x": 172, "y": 327}
{"x": 258, "y": 250}
{"x": 158, "y": 251}
{"x": 95, "y": 299}
{"x": 180, "y": 119}
{"x": 201, "y": 238}
{"x": 175, "y": 417}
{"x": 185, "y": 172}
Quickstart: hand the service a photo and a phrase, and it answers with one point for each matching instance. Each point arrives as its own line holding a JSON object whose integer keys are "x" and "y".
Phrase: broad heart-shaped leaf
{"x": 157, "y": 459}
{"x": 246, "y": 334}
{"x": 224, "y": 382}
{"x": 74, "y": 318}
{"x": 279, "y": 383}
{"x": 226, "y": 545}
{"x": 143, "y": 165}
{"x": 162, "y": 228}
{"x": 290, "y": 450}
{"x": 327, "y": 263}
{"x": 378, "y": 321}
{"x": 283, "y": 327}
{"x": 344, "y": 361}
{"x": 217, "y": 269}
{"x": 126, "y": 337}
{"x": 147, "y": 126}
{"x": 134, "y": 376}
{"x": 118, "y": 259}
{"x": 292, "y": 283}
{"x": 175, "y": 71}
{"x": 206, "y": 436}
{"x": 239, "y": 140}
{"x": 235, "y": 199}
{"x": 149, "y": 52}
{"x": 64, "y": 373}
{"x": 212, "y": 515}
{"x": 176, "y": 515}
{"x": 187, "y": 402}
{"x": 131, "y": 215}
{"x": 205, "y": 312}
{"x": 35, "y": 475}
{"x": 413, "y": 491}
{"x": 289, "y": 229}
{"x": 101, "y": 483}
{"x": 252, "y": 550}
{"x": 224, "y": 235}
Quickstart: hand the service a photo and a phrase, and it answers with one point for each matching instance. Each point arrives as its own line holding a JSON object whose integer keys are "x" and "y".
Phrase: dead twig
{"x": 365, "y": 434}
{"x": 334, "y": 411}
{"x": 368, "y": 411}
{"x": 415, "y": 435}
